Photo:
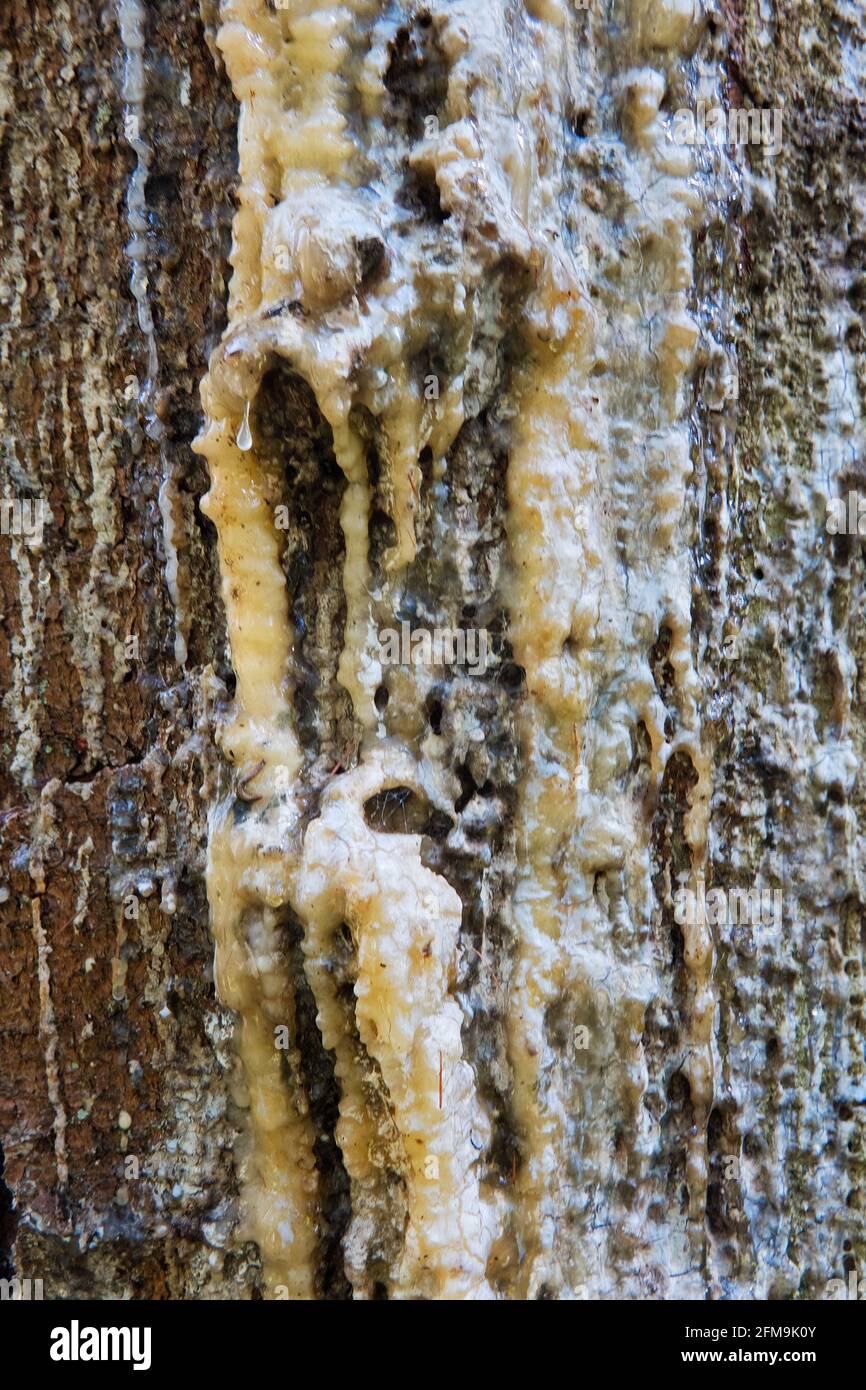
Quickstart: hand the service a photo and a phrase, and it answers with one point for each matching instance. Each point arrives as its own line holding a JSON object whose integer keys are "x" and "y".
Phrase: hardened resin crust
{"x": 465, "y": 421}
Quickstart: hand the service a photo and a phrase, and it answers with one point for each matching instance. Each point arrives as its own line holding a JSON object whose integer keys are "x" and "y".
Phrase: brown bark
{"x": 104, "y": 761}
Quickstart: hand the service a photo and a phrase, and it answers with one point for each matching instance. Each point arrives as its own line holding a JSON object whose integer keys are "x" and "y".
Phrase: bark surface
{"x": 693, "y": 1158}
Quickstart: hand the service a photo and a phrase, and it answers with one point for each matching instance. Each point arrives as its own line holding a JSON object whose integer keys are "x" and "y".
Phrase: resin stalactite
{"x": 407, "y": 255}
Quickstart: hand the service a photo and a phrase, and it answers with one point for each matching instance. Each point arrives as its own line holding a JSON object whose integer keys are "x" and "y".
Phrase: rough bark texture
{"x": 113, "y": 1044}
{"x": 105, "y": 760}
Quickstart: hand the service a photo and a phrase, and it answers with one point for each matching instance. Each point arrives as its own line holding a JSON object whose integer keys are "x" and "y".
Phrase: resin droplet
{"x": 245, "y": 436}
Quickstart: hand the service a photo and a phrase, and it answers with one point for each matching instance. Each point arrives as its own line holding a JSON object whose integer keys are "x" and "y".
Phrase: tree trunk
{"x": 471, "y": 672}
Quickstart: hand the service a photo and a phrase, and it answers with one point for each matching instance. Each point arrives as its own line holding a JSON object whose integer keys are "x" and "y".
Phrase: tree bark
{"x": 625, "y": 395}
{"x": 106, "y": 757}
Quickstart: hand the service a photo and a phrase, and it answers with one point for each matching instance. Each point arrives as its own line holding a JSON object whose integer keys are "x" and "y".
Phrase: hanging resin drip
{"x": 245, "y": 436}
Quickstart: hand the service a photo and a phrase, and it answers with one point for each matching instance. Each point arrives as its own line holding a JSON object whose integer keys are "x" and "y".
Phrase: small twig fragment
{"x": 244, "y": 781}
